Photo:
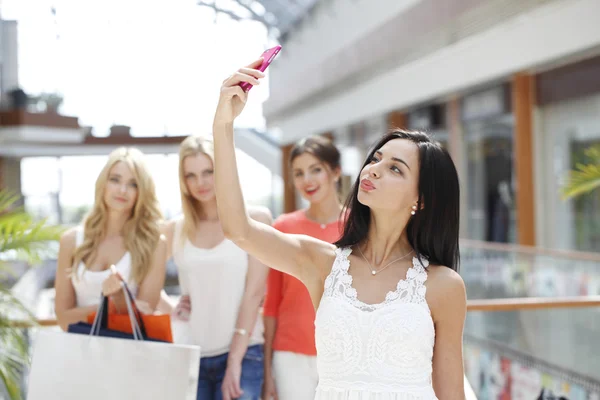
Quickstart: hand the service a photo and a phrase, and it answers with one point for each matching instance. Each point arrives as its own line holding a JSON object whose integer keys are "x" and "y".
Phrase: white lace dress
{"x": 374, "y": 352}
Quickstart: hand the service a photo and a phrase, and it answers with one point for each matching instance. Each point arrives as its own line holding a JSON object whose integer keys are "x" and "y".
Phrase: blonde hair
{"x": 141, "y": 231}
{"x": 191, "y": 146}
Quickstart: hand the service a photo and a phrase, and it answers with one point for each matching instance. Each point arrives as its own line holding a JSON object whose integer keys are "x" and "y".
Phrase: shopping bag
{"x": 153, "y": 327}
{"x": 76, "y": 366}
{"x": 157, "y": 327}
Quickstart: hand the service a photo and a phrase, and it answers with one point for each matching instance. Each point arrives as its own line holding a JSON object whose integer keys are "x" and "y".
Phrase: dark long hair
{"x": 320, "y": 147}
{"x": 433, "y": 230}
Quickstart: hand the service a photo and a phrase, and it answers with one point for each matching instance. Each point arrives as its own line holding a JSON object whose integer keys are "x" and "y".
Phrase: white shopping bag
{"x": 74, "y": 367}
{"x": 69, "y": 366}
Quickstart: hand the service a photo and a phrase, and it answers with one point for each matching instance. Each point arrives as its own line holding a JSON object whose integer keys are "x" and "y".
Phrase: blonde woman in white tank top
{"x": 221, "y": 285}
{"x": 122, "y": 229}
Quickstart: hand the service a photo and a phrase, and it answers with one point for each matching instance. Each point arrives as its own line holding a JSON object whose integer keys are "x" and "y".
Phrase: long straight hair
{"x": 433, "y": 230}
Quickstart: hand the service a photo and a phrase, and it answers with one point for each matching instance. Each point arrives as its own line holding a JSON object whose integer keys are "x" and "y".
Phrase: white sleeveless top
{"x": 374, "y": 351}
{"x": 88, "y": 284}
{"x": 215, "y": 280}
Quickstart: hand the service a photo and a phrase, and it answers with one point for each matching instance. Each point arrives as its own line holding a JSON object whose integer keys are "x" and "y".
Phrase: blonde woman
{"x": 122, "y": 229}
{"x": 222, "y": 286}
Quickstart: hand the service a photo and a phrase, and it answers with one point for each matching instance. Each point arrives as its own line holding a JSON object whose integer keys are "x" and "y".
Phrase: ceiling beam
{"x": 245, "y": 4}
{"x": 217, "y": 9}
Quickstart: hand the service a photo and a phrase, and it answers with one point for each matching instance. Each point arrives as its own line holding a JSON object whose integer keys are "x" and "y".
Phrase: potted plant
{"x": 52, "y": 100}
{"x": 21, "y": 238}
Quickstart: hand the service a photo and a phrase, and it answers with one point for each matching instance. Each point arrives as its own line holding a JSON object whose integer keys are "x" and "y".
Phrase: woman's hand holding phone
{"x": 234, "y": 91}
{"x": 232, "y": 98}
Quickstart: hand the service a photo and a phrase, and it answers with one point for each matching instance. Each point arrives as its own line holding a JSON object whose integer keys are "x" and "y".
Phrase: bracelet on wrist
{"x": 240, "y": 331}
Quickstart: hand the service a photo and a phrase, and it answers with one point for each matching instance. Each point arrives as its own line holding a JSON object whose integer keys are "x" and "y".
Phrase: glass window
{"x": 490, "y": 210}
{"x": 568, "y": 129}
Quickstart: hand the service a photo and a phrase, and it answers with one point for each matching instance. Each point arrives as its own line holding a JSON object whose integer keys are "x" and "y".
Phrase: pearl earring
{"x": 414, "y": 210}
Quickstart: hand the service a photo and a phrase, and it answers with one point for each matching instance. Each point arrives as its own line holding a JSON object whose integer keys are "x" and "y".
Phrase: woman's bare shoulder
{"x": 446, "y": 292}
{"x": 68, "y": 238}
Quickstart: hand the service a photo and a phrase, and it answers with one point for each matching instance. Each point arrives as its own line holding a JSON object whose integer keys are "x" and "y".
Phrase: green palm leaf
{"x": 20, "y": 238}
{"x": 8, "y": 200}
{"x": 26, "y": 238}
{"x": 14, "y": 348}
{"x": 585, "y": 177}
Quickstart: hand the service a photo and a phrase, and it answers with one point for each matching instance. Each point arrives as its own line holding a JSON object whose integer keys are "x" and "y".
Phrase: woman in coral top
{"x": 289, "y": 315}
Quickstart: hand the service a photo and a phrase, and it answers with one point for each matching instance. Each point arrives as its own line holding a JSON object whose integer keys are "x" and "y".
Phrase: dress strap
{"x": 339, "y": 268}
{"x": 416, "y": 278}
{"x": 177, "y": 243}
{"x": 341, "y": 256}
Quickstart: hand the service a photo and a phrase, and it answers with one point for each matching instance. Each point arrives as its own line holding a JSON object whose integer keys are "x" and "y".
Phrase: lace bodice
{"x": 374, "y": 348}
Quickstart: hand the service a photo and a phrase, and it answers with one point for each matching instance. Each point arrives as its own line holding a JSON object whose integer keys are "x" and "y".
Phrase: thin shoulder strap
{"x": 341, "y": 258}
{"x": 343, "y": 252}
{"x": 418, "y": 279}
{"x": 177, "y": 232}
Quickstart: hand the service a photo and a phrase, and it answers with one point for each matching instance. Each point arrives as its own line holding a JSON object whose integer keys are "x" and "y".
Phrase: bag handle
{"x": 97, "y": 318}
{"x": 135, "y": 328}
{"x": 135, "y": 316}
{"x": 134, "y": 309}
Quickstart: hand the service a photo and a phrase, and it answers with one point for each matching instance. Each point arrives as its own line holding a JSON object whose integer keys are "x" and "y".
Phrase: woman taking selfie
{"x": 391, "y": 306}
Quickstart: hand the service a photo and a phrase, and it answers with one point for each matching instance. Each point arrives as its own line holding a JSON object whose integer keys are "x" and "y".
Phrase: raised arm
{"x": 297, "y": 255}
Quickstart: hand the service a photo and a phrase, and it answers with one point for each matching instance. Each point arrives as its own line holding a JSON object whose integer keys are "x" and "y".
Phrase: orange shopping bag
{"x": 156, "y": 326}
{"x": 152, "y": 326}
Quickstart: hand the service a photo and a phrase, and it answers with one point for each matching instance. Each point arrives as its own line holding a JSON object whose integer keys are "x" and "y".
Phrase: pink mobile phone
{"x": 267, "y": 56}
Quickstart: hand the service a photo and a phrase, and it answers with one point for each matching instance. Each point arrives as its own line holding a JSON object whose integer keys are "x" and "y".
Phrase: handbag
{"x": 153, "y": 327}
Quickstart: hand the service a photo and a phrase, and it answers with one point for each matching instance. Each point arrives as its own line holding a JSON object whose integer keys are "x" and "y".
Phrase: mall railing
{"x": 533, "y": 321}
{"x": 504, "y": 371}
